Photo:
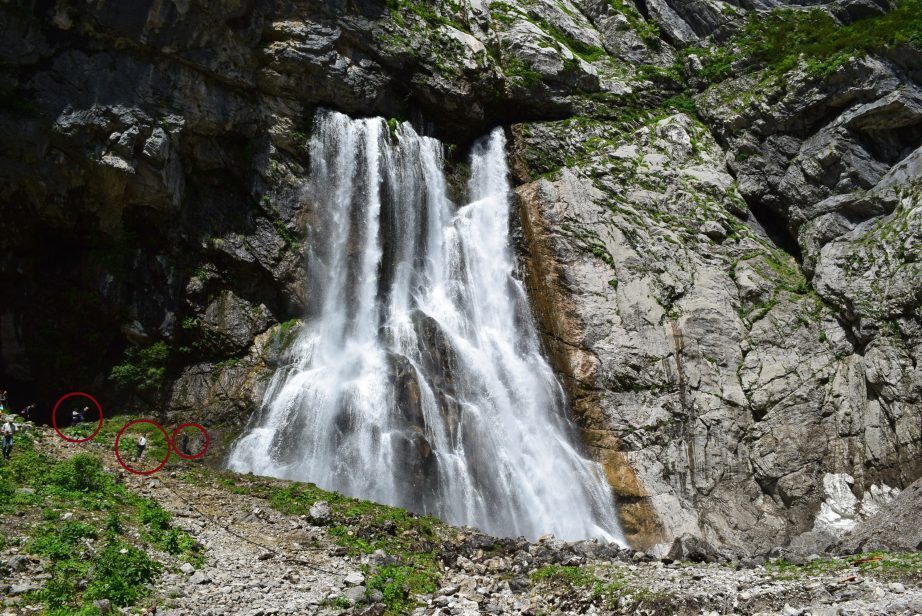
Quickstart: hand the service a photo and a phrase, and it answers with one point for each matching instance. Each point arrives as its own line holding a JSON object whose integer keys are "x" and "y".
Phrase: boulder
{"x": 691, "y": 548}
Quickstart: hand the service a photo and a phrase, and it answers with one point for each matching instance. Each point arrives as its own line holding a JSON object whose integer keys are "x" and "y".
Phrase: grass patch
{"x": 883, "y": 565}
{"x": 96, "y": 539}
{"x": 606, "y": 587}
{"x": 776, "y": 41}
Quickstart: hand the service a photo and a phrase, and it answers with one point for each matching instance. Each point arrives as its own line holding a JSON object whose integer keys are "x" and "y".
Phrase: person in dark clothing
{"x": 7, "y": 430}
{"x": 27, "y": 412}
{"x": 74, "y": 417}
{"x": 184, "y": 444}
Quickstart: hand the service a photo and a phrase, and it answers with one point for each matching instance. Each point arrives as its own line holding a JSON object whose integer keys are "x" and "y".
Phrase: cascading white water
{"x": 419, "y": 380}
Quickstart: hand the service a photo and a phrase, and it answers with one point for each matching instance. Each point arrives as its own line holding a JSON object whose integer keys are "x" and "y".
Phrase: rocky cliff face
{"x": 722, "y": 246}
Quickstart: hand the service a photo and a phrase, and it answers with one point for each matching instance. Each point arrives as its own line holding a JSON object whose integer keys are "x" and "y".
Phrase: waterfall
{"x": 419, "y": 379}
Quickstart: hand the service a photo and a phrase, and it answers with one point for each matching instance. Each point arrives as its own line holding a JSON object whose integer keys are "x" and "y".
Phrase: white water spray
{"x": 419, "y": 380}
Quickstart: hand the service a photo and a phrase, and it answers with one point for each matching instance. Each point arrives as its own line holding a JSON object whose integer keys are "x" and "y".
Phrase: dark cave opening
{"x": 772, "y": 224}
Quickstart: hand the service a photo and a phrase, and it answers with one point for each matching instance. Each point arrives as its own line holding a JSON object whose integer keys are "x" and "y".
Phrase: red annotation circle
{"x": 165, "y": 436}
{"x": 54, "y": 419}
{"x": 204, "y": 447}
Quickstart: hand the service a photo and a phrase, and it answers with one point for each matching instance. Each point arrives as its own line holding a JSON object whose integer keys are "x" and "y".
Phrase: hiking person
{"x": 83, "y": 413}
{"x": 184, "y": 444}
{"x": 3, "y": 396}
{"x": 142, "y": 443}
{"x": 7, "y": 431}
{"x": 74, "y": 417}
{"x": 27, "y": 412}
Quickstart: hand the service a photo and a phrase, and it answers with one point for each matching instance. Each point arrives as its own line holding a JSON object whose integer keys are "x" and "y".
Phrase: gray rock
{"x": 320, "y": 511}
{"x": 691, "y": 548}
{"x": 354, "y": 595}
{"x": 23, "y": 588}
{"x": 894, "y": 528}
{"x": 19, "y": 563}
{"x": 375, "y": 596}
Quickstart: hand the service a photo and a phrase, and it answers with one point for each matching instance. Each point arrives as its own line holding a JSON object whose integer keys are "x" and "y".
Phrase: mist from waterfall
{"x": 419, "y": 379}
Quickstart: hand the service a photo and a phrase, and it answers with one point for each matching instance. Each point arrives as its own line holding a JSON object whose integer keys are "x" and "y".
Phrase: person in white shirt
{"x": 142, "y": 443}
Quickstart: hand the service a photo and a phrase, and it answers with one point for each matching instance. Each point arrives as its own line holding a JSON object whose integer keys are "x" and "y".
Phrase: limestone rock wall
{"x": 728, "y": 286}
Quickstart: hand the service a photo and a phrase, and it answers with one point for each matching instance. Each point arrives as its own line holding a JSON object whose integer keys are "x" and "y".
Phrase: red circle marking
{"x": 200, "y": 429}
{"x": 165, "y": 436}
{"x": 54, "y": 419}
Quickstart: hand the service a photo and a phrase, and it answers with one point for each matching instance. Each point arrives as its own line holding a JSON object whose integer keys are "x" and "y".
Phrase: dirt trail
{"x": 256, "y": 560}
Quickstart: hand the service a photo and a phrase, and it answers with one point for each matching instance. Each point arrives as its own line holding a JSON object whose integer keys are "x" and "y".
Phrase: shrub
{"x": 120, "y": 572}
{"x": 80, "y": 473}
{"x": 143, "y": 368}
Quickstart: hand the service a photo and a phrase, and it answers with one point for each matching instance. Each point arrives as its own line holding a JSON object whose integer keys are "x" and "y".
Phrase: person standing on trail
{"x": 74, "y": 417}
{"x": 83, "y": 413}
{"x": 3, "y": 400}
{"x": 184, "y": 444}
{"x": 7, "y": 430}
{"x": 27, "y": 412}
{"x": 142, "y": 443}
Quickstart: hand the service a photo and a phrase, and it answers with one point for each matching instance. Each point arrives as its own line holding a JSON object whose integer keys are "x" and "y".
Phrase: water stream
{"x": 419, "y": 379}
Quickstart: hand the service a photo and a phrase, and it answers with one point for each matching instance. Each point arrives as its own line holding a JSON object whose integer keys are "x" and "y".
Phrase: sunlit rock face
{"x": 724, "y": 276}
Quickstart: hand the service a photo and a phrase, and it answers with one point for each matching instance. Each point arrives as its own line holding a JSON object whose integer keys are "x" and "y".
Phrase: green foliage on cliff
{"x": 401, "y": 9}
{"x": 144, "y": 367}
{"x": 776, "y": 41}
{"x": 648, "y": 31}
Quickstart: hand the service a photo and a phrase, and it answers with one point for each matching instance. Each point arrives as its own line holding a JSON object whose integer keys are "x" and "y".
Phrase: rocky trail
{"x": 260, "y": 561}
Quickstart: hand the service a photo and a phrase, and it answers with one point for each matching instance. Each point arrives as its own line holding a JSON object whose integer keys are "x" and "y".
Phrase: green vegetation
{"x": 156, "y": 445}
{"x": 143, "y": 369}
{"x": 286, "y": 333}
{"x": 398, "y": 584}
{"x": 776, "y": 41}
{"x": 648, "y": 31}
{"x": 880, "y": 565}
{"x": 401, "y": 9}
{"x": 518, "y": 68}
{"x": 94, "y": 536}
{"x": 587, "y": 52}
{"x": 608, "y": 589}
{"x": 773, "y": 264}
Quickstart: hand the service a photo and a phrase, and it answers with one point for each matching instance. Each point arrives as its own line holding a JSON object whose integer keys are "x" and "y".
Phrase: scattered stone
{"x": 18, "y": 563}
{"x": 354, "y": 579}
{"x": 320, "y": 511}
{"x": 187, "y": 568}
{"x": 354, "y": 595}
{"x": 22, "y": 589}
{"x": 691, "y": 548}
